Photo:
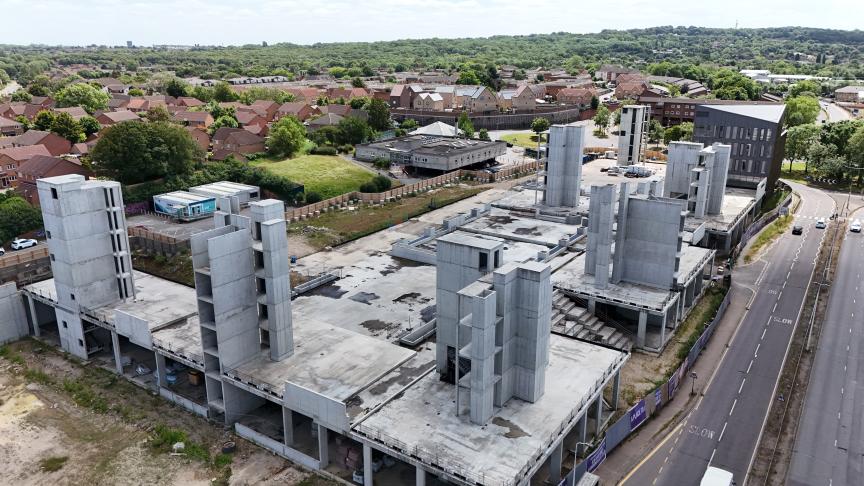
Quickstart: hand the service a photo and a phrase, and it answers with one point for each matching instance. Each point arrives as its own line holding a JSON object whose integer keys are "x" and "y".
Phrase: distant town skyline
{"x": 222, "y": 22}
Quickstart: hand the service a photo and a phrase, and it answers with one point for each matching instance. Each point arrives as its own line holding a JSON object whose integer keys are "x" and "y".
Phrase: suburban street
{"x": 832, "y": 113}
{"x": 724, "y": 427}
{"x": 830, "y": 439}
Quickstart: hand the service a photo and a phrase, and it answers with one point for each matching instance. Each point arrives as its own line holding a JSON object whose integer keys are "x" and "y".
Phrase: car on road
{"x": 714, "y": 476}
{"x": 797, "y": 229}
{"x": 20, "y": 244}
{"x": 855, "y": 227}
{"x": 820, "y": 223}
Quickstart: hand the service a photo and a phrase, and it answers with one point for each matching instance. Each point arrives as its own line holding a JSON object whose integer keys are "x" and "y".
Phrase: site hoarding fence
{"x": 646, "y": 407}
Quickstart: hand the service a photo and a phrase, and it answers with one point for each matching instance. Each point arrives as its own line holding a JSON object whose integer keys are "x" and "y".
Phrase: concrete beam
{"x": 640, "y": 332}
{"x": 583, "y": 435}
{"x": 420, "y": 477}
{"x": 33, "y": 316}
{"x": 160, "y": 370}
{"x": 115, "y": 345}
{"x": 616, "y": 389}
{"x": 555, "y": 460}
{"x": 599, "y": 417}
{"x": 288, "y": 426}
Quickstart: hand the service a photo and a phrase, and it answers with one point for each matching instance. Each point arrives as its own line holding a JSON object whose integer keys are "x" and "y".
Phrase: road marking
{"x": 756, "y": 354}
{"x": 742, "y": 385}
{"x": 748, "y": 366}
{"x": 712, "y": 456}
{"x": 650, "y": 455}
{"x": 763, "y": 333}
{"x": 732, "y": 409}
{"x": 659, "y": 471}
{"x": 666, "y": 460}
{"x": 721, "y": 432}
{"x": 842, "y": 390}
{"x": 775, "y": 307}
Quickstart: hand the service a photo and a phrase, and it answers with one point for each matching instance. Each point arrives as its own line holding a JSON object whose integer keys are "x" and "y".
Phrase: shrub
{"x": 382, "y": 183}
{"x": 368, "y": 187}
{"x": 313, "y": 197}
{"x": 52, "y": 464}
{"x": 346, "y": 148}
{"x": 324, "y": 150}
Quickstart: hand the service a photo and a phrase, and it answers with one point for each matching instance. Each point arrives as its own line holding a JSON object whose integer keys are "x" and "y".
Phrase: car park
{"x": 797, "y": 229}
{"x": 20, "y": 244}
{"x": 820, "y": 223}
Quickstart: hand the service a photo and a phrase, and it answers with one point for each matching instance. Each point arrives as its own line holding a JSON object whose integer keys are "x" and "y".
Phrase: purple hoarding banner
{"x": 637, "y": 415}
{"x": 597, "y": 457}
{"x": 673, "y": 384}
{"x": 658, "y": 398}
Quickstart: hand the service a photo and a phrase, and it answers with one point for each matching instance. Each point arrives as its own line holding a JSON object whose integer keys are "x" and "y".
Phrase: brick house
{"x": 12, "y": 157}
{"x": 55, "y": 144}
{"x": 9, "y": 128}
{"x": 237, "y": 140}
{"x": 298, "y": 109}
{"x": 41, "y": 166}
{"x": 196, "y": 119}
{"x": 481, "y": 100}
{"x": 111, "y": 117}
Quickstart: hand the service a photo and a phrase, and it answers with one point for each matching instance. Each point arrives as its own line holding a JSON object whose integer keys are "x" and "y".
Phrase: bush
{"x": 382, "y": 183}
{"x": 368, "y": 187}
{"x": 313, "y": 197}
{"x": 346, "y": 148}
{"x": 324, "y": 150}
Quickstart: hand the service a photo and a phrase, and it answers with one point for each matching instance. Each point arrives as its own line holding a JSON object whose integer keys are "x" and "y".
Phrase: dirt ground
{"x": 62, "y": 422}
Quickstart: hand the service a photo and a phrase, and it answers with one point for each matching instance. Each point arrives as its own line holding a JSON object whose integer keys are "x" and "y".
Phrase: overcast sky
{"x": 223, "y": 22}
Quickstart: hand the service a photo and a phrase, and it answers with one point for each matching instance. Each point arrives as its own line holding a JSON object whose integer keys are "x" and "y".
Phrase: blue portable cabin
{"x": 184, "y": 206}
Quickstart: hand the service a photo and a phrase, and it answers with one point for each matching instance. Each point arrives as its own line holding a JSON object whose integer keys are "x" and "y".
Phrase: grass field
{"x": 328, "y": 175}
{"x": 527, "y": 140}
{"x": 769, "y": 234}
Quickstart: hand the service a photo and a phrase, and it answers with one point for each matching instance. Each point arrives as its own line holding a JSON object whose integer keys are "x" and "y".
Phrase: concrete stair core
{"x": 571, "y": 319}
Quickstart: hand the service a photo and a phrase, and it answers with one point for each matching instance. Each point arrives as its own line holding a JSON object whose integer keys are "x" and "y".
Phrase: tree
{"x": 358, "y": 103}
{"x": 855, "y": 150}
{"x": 839, "y": 133}
{"x": 17, "y": 216}
{"x": 358, "y": 83}
{"x": 465, "y": 125}
{"x": 287, "y": 137}
{"x": 602, "y": 118}
{"x": 408, "y": 124}
{"x": 469, "y": 78}
{"x": 595, "y": 102}
{"x": 176, "y": 88}
{"x": 798, "y": 140}
{"x": 818, "y": 153}
{"x": 25, "y": 123}
{"x": 222, "y": 92}
{"x": 40, "y": 86}
{"x": 83, "y": 95}
{"x": 801, "y": 110}
{"x": 483, "y": 134}
{"x": 655, "y": 131}
{"x": 805, "y": 87}
{"x": 681, "y": 132}
{"x": 136, "y": 92}
{"x": 379, "y": 115}
{"x": 89, "y": 125}
{"x": 132, "y": 152}
{"x": 223, "y": 121}
{"x": 539, "y": 125}
{"x": 157, "y": 114}
{"x": 727, "y": 84}
{"x": 22, "y": 95}
{"x": 353, "y": 130}
{"x": 67, "y": 127}
{"x": 43, "y": 120}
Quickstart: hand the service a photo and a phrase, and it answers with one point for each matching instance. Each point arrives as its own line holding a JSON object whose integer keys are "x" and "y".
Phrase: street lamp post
{"x": 693, "y": 383}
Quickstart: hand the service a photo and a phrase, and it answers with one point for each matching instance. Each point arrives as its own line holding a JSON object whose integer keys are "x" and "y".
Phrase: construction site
{"x": 479, "y": 344}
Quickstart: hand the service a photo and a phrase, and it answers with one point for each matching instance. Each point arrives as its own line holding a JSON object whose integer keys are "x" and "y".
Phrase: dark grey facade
{"x": 756, "y": 135}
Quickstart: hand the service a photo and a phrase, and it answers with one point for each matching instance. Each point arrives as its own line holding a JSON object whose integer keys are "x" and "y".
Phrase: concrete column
{"x": 287, "y": 426}
{"x": 583, "y": 435}
{"x": 420, "y": 477}
{"x": 323, "y": 447}
{"x": 160, "y": 370}
{"x": 663, "y": 328}
{"x": 616, "y": 389}
{"x": 599, "y": 416}
{"x": 115, "y": 344}
{"x": 367, "y": 465}
{"x": 33, "y": 316}
{"x": 640, "y": 332}
{"x": 592, "y": 304}
{"x": 555, "y": 460}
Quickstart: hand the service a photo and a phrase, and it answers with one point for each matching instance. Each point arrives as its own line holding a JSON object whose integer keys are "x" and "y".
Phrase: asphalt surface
{"x": 724, "y": 427}
{"x": 829, "y": 447}
{"x": 832, "y": 112}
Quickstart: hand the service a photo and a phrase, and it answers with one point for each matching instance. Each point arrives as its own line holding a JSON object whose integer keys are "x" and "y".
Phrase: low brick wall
{"x": 156, "y": 243}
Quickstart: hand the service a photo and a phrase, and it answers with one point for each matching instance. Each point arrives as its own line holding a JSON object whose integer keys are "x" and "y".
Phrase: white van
{"x": 714, "y": 476}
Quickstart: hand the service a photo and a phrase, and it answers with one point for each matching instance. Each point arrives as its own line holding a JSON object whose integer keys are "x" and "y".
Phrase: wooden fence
{"x": 144, "y": 239}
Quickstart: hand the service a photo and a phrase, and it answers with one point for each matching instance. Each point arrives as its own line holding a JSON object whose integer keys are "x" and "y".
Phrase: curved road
{"x": 829, "y": 447}
{"x": 724, "y": 427}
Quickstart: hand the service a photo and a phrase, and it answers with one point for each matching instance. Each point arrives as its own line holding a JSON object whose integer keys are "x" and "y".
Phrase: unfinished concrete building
{"x": 697, "y": 174}
{"x": 564, "y": 165}
{"x": 633, "y": 133}
{"x": 86, "y": 234}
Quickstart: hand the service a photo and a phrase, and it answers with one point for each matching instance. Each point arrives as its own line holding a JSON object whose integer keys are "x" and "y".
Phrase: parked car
{"x": 855, "y": 227}
{"x": 2, "y": 251}
{"x": 820, "y": 223}
{"x": 20, "y": 244}
{"x": 357, "y": 476}
{"x": 797, "y": 229}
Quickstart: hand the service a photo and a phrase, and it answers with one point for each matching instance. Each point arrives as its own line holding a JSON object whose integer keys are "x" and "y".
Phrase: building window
{"x": 484, "y": 261}
{"x": 54, "y": 193}
{"x": 65, "y": 325}
{"x": 72, "y": 296}
{"x": 48, "y": 234}
{"x": 52, "y": 257}
{"x": 81, "y": 343}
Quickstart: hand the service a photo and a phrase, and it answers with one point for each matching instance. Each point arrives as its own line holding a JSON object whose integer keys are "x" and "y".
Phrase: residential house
{"x": 237, "y": 140}
{"x": 519, "y": 99}
{"x": 341, "y": 110}
{"x": 12, "y": 157}
{"x": 265, "y": 109}
{"x": 448, "y": 93}
{"x": 10, "y": 128}
{"x": 119, "y": 103}
{"x": 196, "y": 119}
{"x": 41, "y": 166}
{"x": 202, "y": 139}
{"x": 246, "y": 118}
{"x": 429, "y": 102}
{"x": 850, "y": 94}
{"x": 608, "y": 72}
{"x": 44, "y": 101}
{"x": 346, "y": 93}
{"x": 75, "y": 111}
{"x": 576, "y": 96}
{"x": 15, "y": 109}
{"x": 298, "y": 109}
{"x": 111, "y": 117}
{"x": 402, "y": 95}
{"x": 117, "y": 89}
{"x": 189, "y": 102}
{"x": 307, "y": 94}
{"x": 137, "y": 105}
{"x": 482, "y": 100}
{"x": 55, "y": 144}
{"x": 632, "y": 89}
{"x": 80, "y": 149}
{"x": 325, "y": 120}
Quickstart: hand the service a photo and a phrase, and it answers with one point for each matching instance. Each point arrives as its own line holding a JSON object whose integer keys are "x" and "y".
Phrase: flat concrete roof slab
{"x": 423, "y": 416}
{"x": 519, "y": 227}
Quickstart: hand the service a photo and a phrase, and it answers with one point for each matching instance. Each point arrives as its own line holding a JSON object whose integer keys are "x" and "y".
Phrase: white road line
{"x": 742, "y": 385}
{"x": 842, "y": 390}
{"x": 775, "y": 307}
{"x": 721, "y": 432}
{"x": 749, "y": 366}
{"x": 712, "y": 456}
{"x": 733, "y": 407}
{"x": 756, "y": 354}
{"x": 763, "y": 333}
